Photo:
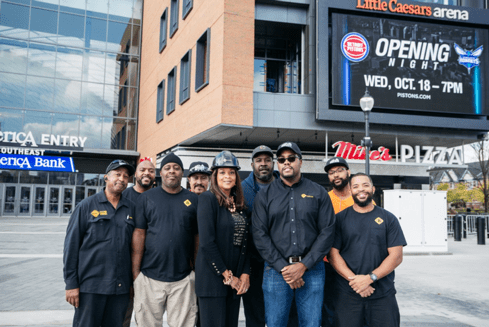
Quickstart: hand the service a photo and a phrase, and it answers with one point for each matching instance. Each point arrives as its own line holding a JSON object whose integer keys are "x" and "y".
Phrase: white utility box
{"x": 423, "y": 218}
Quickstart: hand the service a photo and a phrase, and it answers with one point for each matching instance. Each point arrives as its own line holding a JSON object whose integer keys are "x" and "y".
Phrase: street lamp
{"x": 367, "y": 103}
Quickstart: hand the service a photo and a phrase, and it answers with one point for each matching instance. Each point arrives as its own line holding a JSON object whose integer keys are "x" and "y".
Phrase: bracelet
{"x": 229, "y": 280}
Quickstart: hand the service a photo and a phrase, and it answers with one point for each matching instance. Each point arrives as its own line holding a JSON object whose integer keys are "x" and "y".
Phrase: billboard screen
{"x": 409, "y": 65}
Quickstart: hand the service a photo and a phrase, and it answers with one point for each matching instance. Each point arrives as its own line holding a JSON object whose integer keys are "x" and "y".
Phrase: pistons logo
{"x": 354, "y": 47}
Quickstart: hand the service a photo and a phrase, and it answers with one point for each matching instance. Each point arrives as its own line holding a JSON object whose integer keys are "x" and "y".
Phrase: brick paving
{"x": 433, "y": 290}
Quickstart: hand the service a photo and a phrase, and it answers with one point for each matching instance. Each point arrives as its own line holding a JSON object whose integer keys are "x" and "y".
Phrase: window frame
{"x": 160, "y": 101}
{"x": 185, "y": 76}
{"x": 163, "y": 29}
{"x": 171, "y": 91}
{"x": 187, "y": 6}
{"x": 202, "y": 60}
{"x": 174, "y": 17}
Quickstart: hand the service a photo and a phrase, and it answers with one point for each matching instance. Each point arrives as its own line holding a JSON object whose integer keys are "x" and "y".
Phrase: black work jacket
{"x": 97, "y": 249}
{"x": 216, "y": 231}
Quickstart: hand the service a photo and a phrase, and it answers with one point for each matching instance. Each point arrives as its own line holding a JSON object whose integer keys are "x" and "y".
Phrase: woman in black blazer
{"x": 223, "y": 263}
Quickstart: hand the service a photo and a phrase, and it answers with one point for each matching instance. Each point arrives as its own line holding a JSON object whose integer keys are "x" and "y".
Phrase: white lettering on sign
{"x": 50, "y": 163}
{"x": 13, "y": 161}
{"x": 27, "y": 139}
{"x": 432, "y": 155}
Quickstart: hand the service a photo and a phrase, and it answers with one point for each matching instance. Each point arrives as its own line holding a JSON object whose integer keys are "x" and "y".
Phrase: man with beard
{"x": 262, "y": 174}
{"x": 97, "y": 252}
{"x": 198, "y": 177}
{"x": 162, "y": 251}
{"x": 145, "y": 176}
{"x": 293, "y": 229}
{"x": 367, "y": 248}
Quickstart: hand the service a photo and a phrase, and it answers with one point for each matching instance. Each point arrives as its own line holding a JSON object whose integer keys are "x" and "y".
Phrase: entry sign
{"x": 45, "y": 163}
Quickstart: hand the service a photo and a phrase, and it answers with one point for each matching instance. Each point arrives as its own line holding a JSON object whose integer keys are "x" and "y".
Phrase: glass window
{"x": 185, "y": 77}
{"x": 96, "y": 33}
{"x": 112, "y": 68}
{"x": 14, "y": 21}
{"x": 160, "y": 100}
{"x": 119, "y": 34}
{"x": 12, "y": 88}
{"x": 87, "y": 179}
{"x": 13, "y": 56}
{"x": 71, "y": 30}
{"x": 44, "y": 25}
{"x": 73, "y": 6}
{"x": 39, "y": 93}
{"x": 37, "y": 122}
{"x": 113, "y": 133}
{"x": 136, "y": 36}
{"x": 92, "y": 98}
{"x": 115, "y": 98}
{"x": 138, "y": 12}
{"x": 25, "y": 2}
{"x": 67, "y": 96}
{"x": 69, "y": 63}
{"x": 91, "y": 128}
{"x": 9, "y": 176}
{"x": 132, "y": 103}
{"x": 11, "y": 119}
{"x": 33, "y": 177}
{"x": 133, "y": 71}
{"x": 48, "y": 4}
{"x": 65, "y": 124}
{"x": 94, "y": 66}
{"x": 170, "y": 102}
{"x": 173, "y": 17}
{"x": 203, "y": 59}
{"x": 186, "y": 7}
{"x": 120, "y": 10}
{"x": 260, "y": 78}
{"x": 163, "y": 29}
{"x": 131, "y": 134}
{"x": 41, "y": 60}
{"x": 98, "y": 8}
{"x": 59, "y": 178}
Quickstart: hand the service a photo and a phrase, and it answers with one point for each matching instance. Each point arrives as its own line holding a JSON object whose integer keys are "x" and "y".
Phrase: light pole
{"x": 367, "y": 103}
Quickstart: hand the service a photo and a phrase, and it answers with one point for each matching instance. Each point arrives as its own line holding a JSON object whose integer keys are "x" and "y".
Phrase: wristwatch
{"x": 373, "y": 277}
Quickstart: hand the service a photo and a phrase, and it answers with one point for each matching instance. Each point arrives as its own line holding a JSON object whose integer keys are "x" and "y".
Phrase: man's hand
{"x": 293, "y": 272}
{"x": 369, "y": 291}
{"x": 359, "y": 283}
{"x": 245, "y": 284}
{"x": 73, "y": 297}
{"x": 297, "y": 284}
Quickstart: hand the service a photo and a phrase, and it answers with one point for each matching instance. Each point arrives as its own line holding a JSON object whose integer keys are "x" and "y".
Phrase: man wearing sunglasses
{"x": 293, "y": 229}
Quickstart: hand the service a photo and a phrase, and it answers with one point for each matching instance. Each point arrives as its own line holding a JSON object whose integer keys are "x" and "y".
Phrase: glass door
{"x": 53, "y": 207}
{"x": 90, "y": 190}
{"x": 80, "y": 194}
{"x": 25, "y": 208}
{"x": 68, "y": 199}
{"x": 39, "y": 200}
{"x": 10, "y": 200}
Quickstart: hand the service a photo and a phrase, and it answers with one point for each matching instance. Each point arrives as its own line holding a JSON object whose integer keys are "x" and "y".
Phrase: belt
{"x": 295, "y": 259}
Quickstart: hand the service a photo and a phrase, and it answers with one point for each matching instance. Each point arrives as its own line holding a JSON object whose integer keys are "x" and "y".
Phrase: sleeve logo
{"x": 379, "y": 220}
{"x": 187, "y": 203}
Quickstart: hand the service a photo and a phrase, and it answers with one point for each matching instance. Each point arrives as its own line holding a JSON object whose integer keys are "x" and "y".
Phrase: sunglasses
{"x": 290, "y": 159}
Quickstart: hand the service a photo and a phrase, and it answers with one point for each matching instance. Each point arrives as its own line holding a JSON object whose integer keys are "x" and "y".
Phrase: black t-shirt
{"x": 171, "y": 223}
{"x": 363, "y": 240}
{"x": 131, "y": 194}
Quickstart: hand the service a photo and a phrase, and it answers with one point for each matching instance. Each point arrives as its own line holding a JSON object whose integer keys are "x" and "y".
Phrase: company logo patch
{"x": 467, "y": 58}
{"x": 129, "y": 217}
{"x": 379, "y": 220}
{"x": 95, "y": 213}
{"x": 187, "y": 202}
{"x": 103, "y": 213}
{"x": 354, "y": 47}
{"x": 306, "y": 196}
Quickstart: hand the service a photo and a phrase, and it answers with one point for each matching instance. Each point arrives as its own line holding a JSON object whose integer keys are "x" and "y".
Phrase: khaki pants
{"x": 152, "y": 298}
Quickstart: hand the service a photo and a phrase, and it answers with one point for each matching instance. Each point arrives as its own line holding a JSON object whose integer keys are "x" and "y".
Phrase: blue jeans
{"x": 278, "y": 297}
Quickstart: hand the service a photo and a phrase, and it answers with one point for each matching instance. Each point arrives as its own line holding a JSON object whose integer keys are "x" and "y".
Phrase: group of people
{"x": 296, "y": 254}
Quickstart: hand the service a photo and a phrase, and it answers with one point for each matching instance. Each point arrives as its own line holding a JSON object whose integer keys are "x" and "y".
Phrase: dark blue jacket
{"x": 251, "y": 188}
{"x": 97, "y": 249}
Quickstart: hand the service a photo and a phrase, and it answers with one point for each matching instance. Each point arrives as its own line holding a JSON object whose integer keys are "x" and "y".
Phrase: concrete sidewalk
{"x": 433, "y": 290}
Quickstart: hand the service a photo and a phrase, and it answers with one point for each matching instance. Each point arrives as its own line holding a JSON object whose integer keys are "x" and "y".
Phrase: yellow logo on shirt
{"x": 187, "y": 202}
{"x": 379, "y": 220}
{"x": 95, "y": 213}
{"x": 103, "y": 213}
{"x": 306, "y": 196}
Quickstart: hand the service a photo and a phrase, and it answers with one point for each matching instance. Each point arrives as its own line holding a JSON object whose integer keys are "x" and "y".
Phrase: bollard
{"x": 457, "y": 228}
{"x": 481, "y": 226}
{"x": 464, "y": 217}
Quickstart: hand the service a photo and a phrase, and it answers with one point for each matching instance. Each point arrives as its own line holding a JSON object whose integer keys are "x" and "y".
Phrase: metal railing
{"x": 468, "y": 223}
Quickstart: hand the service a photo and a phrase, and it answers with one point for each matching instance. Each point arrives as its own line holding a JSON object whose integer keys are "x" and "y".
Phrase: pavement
{"x": 449, "y": 290}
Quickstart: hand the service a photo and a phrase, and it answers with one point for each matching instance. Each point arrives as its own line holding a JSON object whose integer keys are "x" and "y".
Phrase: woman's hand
{"x": 245, "y": 284}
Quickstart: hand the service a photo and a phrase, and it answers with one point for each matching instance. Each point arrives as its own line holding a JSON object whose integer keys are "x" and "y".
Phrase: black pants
{"x": 327, "y": 319}
{"x": 353, "y": 311}
{"x": 219, "y": 311}
{"x": 97, "y": 310}
{"x": 253, "y": 302}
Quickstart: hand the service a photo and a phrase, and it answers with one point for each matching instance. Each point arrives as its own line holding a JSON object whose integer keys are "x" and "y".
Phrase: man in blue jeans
{"x": 293, "y": 228}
